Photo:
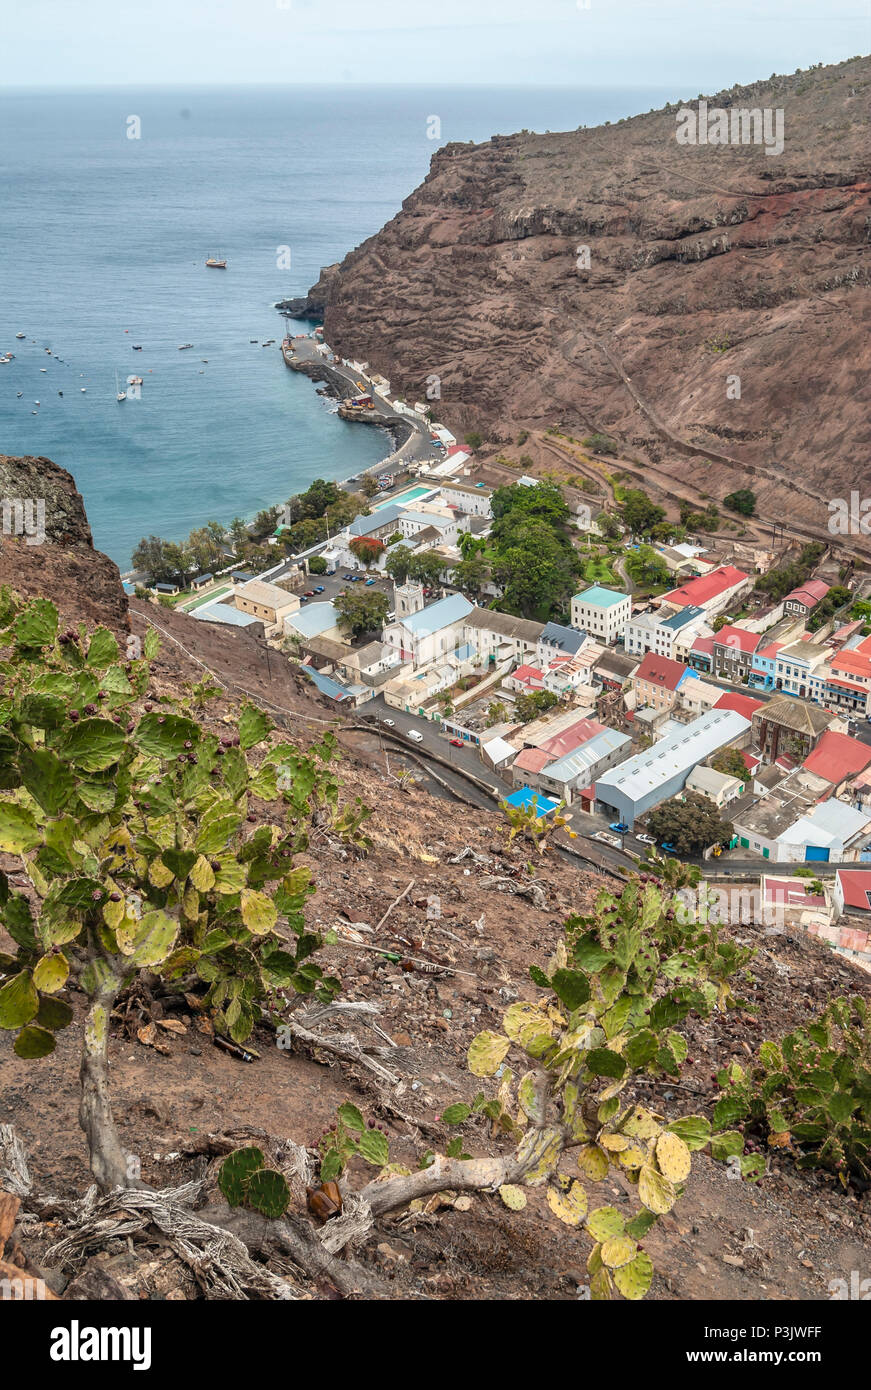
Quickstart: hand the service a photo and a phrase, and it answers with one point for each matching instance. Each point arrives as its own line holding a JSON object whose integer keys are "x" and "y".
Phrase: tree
{"x": 265, "y": 522}
{"x": 93, "y": 774}
{"x": 600, "y": 444}
{"x": 368, "y": 487}
{"x": 239, "y": 531}
{"x": 647, "y": 568}
{"x": 317, "y": 565}
{"x": 315, "y": 500}
{"x": 162, "y": 560}
{"x": 366, "y": 550}
{"x": 426, "y": 567}
{"x": 398, "y": 563}
{"x": 471, "y": 575}
{"x": 516, "y": 502}
{"x": 204, "y": 549}
{"x": 691, "y": 825}
{"x": 474, "y": 440}
{"x": 639, "y": 513}
{"x": 538, "y": 702}
{"x": 496, "y": 712}
{"x": 730, "y": 762}
{"x": 361, "y": 610}
{"x": 609, "y": 526}
{"x": 743, "y": 501}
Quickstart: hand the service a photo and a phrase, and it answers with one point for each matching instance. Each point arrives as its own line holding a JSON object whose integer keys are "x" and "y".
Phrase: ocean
{"x": 103, "y": 239}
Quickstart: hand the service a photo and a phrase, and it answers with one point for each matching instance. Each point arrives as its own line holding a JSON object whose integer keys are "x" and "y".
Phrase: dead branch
{"x": 394, "y": 904}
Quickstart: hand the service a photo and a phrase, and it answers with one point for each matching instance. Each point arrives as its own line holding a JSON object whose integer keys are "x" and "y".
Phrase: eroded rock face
{"x": 706, "y": 263}
{"x": 46, "y": 546}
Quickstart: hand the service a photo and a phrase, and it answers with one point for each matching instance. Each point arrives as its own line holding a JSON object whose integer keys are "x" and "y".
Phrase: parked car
{"x": 646, "y": 839}
{"x": 347, "y": 576}
{"x": 319, "y": 588}
{"x": 619, "y": 827}
{"x": 391, "y": 723}
{"x": 309, "y": 593}
{"x": 369, "y": 583}
{"x": 608, "y": 839}
{"x": 456, "y": 743}
{"x": 331, "y": 571}
{"x": 413, "y": 734}
{"x": 668, "y": 847}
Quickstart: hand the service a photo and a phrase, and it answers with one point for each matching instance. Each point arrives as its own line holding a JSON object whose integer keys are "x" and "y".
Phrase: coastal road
{"x": 417, "y": 448}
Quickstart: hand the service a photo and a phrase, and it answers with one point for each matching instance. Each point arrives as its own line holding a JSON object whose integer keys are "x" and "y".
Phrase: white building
{"x": 424, "y": 636}
{"x": 602, "y": 612}
{"x": 663, "y": 630}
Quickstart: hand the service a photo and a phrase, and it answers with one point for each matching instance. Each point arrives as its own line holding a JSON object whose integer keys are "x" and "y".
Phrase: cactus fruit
{"x": 268, "y": 1192}
{"x": 235, "y": 1172}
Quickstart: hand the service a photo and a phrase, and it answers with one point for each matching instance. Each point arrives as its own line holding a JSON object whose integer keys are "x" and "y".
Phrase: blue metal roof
{"x": 313, "y": 620}
{"x": 525, "y": 796}
{"x": 438, "y": 615}
{"x": 682, "y": 617}
{"x": 325, "y": 685}
{"x": 568, "y": 639}
{"x": 365, "y": 525}
{"x": 223, "y": 613}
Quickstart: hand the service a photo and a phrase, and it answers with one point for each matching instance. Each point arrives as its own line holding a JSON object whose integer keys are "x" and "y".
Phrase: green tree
{"x": 163, "y": 560}
{"x": 317, "y": 565}
{"x": 265, "y": 522}
{"x": 368, "y": 487}
{"x": 398, "y": 562}
{"x": 426, "y": 567}
{"x": 609, "y": 526}
{"x": 691, "y": 825}
{"x": 471, "y": 575}
{"x": 530, "y": 706}
{"x": 639, "y": 513}
{"x": 600, "y": 444}
{"x": 730, "y": 762}
{"x": 361, "y": 610}
{"x": 239, "y": 531}
{"x": 743, "y": 501}
{"x": 474, "y": 440}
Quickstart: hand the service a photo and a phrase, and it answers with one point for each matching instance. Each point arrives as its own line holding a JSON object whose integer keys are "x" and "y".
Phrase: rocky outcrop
{"x": 47, "y": 549}
{"x": 705, "y": 305}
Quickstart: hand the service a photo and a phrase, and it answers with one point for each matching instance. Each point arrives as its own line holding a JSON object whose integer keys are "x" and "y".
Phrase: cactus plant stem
{"x": 107, "y": 1159}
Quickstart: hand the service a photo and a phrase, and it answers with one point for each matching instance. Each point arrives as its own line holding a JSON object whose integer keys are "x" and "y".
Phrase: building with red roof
{"x": 733, "y": 652}
{"x": 836, "y": 758}
{"x": 743, "y": 704}
{"x": 714, "y": 592}
{"x": 657, "y": 681}
{"x": 805, "y": 598}
{"x": 853, "y": 891}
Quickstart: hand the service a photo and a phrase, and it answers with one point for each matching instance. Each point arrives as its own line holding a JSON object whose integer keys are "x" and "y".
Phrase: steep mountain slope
{"x": 706, "y": 263}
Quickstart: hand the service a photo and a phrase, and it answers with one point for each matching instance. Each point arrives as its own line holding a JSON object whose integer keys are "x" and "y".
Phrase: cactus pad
{"x": 634, "y": 1279}
{"x": 514, "y": 1197}
{"x": 571, "y": 1206}
{"x": 673, "y": 1157}
{"x": 236, "y": 1171}
{"x": 655, "y": 1190}
{"x": 618, "y": 1251}
{"x": 268, "y": 1192}
{"x": 486, "y": 1053}
{"x": 604, "y": 1223}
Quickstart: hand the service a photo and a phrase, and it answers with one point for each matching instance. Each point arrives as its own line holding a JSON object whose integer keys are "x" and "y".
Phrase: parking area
{"x": 332, "y": 585}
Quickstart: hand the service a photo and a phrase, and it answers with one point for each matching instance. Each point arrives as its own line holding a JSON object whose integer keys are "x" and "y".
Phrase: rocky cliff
{"x": 706, "y": 305}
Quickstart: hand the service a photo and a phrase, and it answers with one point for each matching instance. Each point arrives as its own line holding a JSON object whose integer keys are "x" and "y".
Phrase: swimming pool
{"x": 412, "y": 494}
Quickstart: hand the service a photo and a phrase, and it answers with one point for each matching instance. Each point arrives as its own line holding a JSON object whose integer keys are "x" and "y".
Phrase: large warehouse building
{"x": 640, "y": 783}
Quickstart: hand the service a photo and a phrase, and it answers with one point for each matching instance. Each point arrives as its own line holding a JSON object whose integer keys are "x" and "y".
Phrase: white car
{"x": 413, "y": 734}
{"x": 646, "y": 839}
{"x": 389, "y": 722}
{"x": 607, "y": 838}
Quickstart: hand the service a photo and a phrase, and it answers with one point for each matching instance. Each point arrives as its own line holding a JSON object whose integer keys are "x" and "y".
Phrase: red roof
{"x": 750, "y": 759}
{"x": 856, "y": 887}
{"x": 836, "y": 756}
{"x": 661, "y": 670}
{"x": 708, "y": 586}
{"x": 737, "y": 638}
{"x": 852, "y": 663}
{"x": 703, "y": 646}
{"x": 528, "y": 674}
{"x": 792, "y": 892}
{"x": 571, "y": 738}
{"x": 532, "y": 759}
{"x": 743, "y": 704}
{"x": 770, "y": 652}
{"x": 809, "y": 594}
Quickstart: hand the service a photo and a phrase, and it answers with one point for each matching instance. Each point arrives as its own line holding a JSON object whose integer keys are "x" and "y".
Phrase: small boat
{"x": 60, "y": 393}
{"x": 83, "y": 389}
{"x": 20, "y": 394}
{"x": 137, "y": 347}
{"x": 36, "y": 402}
{"x": 254, "y": 340}
{"x": 43, "y": 369}
{"x": 134, "y": 381}
{"x": 20, "y": 335}
{"x": 216, "y": 263}
{"x": 182, "y": 346}
{"x": 119, "y": 395}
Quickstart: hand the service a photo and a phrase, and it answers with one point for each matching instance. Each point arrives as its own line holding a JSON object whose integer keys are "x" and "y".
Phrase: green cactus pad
{"x": 634, "y": 1279}
{"x": 236, "y": 1171}
{"x": 268, "y": 1192}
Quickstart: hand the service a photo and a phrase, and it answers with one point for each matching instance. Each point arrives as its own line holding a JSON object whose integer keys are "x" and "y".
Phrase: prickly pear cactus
{"x": 236, "y": 1172}
{"x": 268, "y": 1193}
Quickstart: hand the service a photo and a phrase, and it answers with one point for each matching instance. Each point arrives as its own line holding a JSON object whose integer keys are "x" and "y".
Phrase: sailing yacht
{"x": 119, "y": 395}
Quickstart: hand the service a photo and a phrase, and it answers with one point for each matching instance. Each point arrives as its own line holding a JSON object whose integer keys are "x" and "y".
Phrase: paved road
{"x": 416, "y": 449}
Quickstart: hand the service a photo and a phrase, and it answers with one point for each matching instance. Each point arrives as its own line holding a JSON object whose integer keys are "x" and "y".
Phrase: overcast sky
{"x": 697, "y": 45}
